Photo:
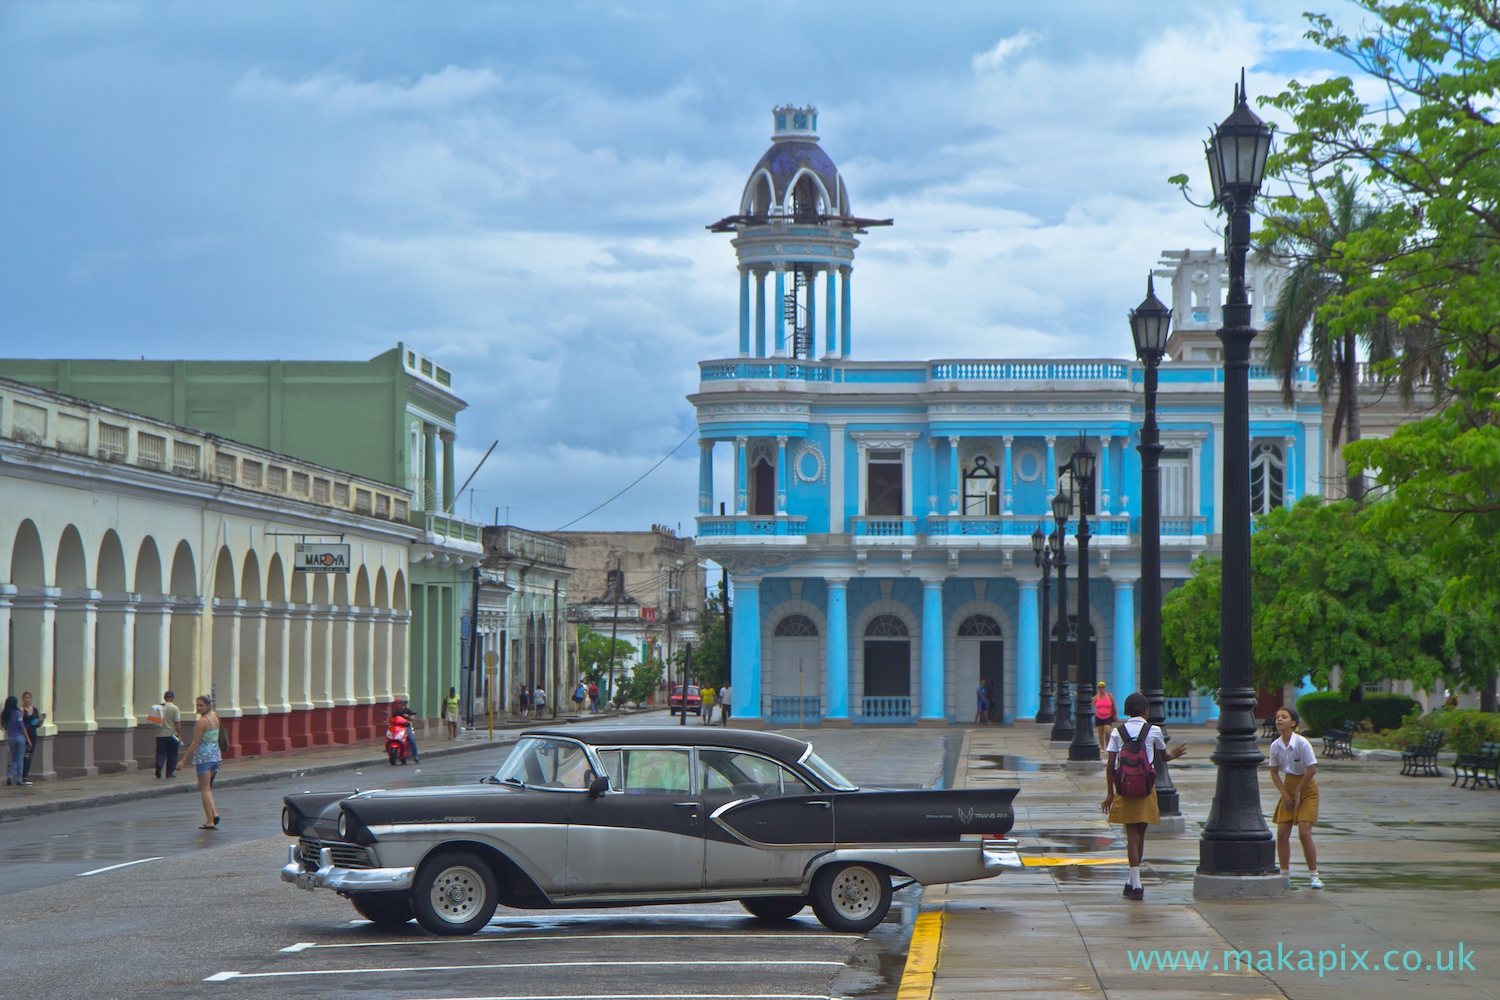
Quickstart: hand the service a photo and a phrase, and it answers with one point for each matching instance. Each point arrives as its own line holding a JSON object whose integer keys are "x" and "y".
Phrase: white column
{"x": 1289, "y": 477}
{"x": 1007, "y": 486}
{"x": 953, "y": 480}
{"x": 1051, "y": 468}
{"x": 1104, "y": 490}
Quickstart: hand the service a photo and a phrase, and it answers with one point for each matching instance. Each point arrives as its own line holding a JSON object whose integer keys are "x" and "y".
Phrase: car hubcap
{"x": 457, "y": 894}
{"x": 856, "y": 893}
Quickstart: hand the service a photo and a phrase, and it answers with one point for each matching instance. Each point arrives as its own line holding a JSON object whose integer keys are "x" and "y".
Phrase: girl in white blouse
{"x": 1293, "y": 767}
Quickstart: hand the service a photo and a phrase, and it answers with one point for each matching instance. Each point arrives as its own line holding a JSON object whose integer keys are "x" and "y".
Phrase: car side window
{"x": 654, "y": 772}
{"x": 745, "y": 774}
{"x": 544, "y": 763}
{"x": 610, "y": 761}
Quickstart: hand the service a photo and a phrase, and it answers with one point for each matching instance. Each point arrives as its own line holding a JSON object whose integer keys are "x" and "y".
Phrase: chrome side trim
{"x": 927, "y": 864}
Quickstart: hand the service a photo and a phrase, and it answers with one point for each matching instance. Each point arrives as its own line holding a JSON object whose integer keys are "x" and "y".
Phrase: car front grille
{"x": 344, "y": 855}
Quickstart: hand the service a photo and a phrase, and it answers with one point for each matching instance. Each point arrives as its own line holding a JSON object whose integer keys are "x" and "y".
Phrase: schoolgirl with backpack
{"x": 1130, "y": 783}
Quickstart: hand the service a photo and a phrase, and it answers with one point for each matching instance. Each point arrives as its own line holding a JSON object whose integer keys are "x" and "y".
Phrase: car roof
{"x": 773, "y": 744}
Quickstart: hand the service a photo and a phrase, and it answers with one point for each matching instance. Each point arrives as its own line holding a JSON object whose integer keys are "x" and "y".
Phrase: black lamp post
{"x": 1085, "y": 744}
{"x": 1235, "y": 840}
{"x": 1149, "y": 324}
{"x": 1041, "y": 554}
{"x": 1062, "y": 708}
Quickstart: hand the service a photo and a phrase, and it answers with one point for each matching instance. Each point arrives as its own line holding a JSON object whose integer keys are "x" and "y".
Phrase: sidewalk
{"x": 1397, "y": 854}
{"x": 107, "y": 789}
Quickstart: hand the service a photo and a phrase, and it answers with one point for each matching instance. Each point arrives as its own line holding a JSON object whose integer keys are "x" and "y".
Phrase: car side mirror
{"x": 598, "y": 786}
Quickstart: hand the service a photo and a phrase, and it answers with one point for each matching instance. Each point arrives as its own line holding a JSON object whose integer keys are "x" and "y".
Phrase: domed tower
{"x": 795, "y": 223}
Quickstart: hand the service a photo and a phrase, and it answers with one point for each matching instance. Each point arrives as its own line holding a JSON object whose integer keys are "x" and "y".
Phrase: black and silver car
{"x": 625, "y": 817}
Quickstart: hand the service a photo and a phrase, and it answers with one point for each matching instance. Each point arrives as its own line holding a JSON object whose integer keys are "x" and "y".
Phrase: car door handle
{"x": 685, "y": 805}
{"x": 824, "y": 803}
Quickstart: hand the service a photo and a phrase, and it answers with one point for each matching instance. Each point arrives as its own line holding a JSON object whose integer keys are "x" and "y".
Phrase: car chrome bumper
{"x": 343, "y": 879}
{"x": 1001, "y": 854}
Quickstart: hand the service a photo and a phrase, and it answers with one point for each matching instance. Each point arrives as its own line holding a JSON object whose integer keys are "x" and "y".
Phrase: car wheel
{"x": 383, "y": 909}
{"x": 774, "y": 907}
{"x": 454, "y": 893}
{"x": 850, "y": 898}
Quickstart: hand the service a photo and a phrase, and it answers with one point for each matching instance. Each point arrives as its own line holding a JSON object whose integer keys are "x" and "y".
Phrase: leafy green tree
{"x": 1327, "y": 590}
{"x": 711, "y": 651}
{"x": 644, "y": 679}
{"x": 594, "y": 655}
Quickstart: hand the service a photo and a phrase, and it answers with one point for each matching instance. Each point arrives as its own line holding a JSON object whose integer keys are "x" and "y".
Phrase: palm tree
{"x": 1312, "y": 253}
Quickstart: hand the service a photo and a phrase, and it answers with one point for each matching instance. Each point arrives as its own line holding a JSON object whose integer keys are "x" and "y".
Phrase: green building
{"x": 392, "y": 418}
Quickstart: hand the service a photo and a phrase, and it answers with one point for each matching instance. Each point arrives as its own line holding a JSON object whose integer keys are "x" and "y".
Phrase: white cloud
{"x": 988, "y": 62}
{"x": 452, "y": 85}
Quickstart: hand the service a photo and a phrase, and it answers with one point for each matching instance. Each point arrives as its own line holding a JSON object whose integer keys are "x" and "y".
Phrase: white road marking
{"x": 111, "y": 868}
{"x": 653, "y": 996}
{"x": 302, "y": 946}
{"x": 220, "y": 977}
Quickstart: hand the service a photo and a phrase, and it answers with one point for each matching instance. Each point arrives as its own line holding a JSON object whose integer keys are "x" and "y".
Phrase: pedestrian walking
{"x": 450, "y": 713}
{"x": 1104, "y": 714}
{"x": 34, "y": 720}
{"x": 706, "y": 701}
{"x": 1293, "y": 767}
{"x": 167, "y": 718}
{"x": 725, "y": 703}
{"x": 205, "y": 754}
{"x": 1130, "y": 780}
{"x": 981, "y": 712}
{"x": 991, "y": 701}
{"x": 579, "y": 693}
{"x": 539, "y": 701}
{"x": 525, "y": 702}
{"x": 14, "y": 726}
{"x": 593, "y": 697}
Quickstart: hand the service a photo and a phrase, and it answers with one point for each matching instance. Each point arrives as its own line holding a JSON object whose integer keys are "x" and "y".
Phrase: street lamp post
{"x": 1062, "y": 708}
{"x": 1041, "y": 554}
{"x": 1236, "y": 855}
{"x": 1085, "y": 744}
{"x": 1149, "y": 324}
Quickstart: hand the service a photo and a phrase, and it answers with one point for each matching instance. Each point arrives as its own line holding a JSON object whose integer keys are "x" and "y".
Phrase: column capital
{"x": 1009, "y": 440}
{"x": 1105, "y": 439}
{"x": 933, "y": 583}
{"x": 1051, "y": 440}
{"x": 837, "y": 424}
{"x": 781, "y": 440}
{"x": 834, "y": 581}
{"x": 953, "y": 440}
{"x": 705, "y": 443}
{"x": 741, "y": 440}
{"x": 446, "y": 435}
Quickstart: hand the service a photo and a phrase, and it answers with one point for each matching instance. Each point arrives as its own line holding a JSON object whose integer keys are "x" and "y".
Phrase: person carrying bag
{"x": 1130, "y": 779}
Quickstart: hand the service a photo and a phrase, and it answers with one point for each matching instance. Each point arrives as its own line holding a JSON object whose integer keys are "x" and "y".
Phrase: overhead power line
{"x": 632, "y": 485}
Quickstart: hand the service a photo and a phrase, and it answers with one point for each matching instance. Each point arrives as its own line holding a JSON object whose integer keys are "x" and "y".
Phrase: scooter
{"x": 398, "y": 740}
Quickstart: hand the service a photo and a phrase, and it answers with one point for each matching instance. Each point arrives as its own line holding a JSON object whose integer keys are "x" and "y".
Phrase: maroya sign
{"x": 322, "y": 558}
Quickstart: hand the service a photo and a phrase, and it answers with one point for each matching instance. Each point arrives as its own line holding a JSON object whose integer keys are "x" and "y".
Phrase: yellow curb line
{"x": 1058, "y": 862}
{"x": 921, "y": 957}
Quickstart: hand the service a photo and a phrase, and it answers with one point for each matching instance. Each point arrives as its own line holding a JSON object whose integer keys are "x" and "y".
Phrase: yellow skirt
{"x": 1142, "y": 810}
{"x": 1307, "y": 809}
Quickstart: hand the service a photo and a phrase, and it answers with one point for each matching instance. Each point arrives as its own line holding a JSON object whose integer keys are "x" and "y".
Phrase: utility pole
{"x": 473, "y": 649}
{"x": 556, "y": 650}
{"x": 614, "y": 630}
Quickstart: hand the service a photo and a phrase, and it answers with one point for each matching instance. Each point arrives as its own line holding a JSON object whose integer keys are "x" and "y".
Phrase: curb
{"x": 922, "y": 957}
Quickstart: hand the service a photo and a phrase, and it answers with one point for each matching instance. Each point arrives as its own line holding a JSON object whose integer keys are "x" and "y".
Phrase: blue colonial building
{"x": 877, "y": 528}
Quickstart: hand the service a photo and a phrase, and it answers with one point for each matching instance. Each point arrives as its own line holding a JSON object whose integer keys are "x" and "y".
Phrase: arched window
{"x": 793, "y": 626}
{"x": 1267, "y": 478}
{"x": 886, "y": 627}
{"x": 981, "y": 492}
{"x": 978, "y": 625}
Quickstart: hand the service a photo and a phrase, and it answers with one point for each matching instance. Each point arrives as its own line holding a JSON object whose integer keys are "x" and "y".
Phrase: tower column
{"x": 760, "y": 314}
{"x": 831, "y": 317}
{"x": 739, "y": 475}
{"x": 1007, "y": 480}
{"x": 744, "y": 671}
{"x": 705, "y": 476}
{"x": 1124, "y": 680}
{"x": 1051, "y": 469}
{"x": 744, "y": 312}
{"x": 780, "y": 312}
{"x": 449, "y": 500}
{"x": 836, "y": 669}
{"x": 1029, "y": 654}
{"x": 1104, "y": 440}
{"x": 845, "y": 345}
{"x": 953, "y": 483}
{"x": 429, "y": 467}
{"x": 933, "y": 666}
{"x": 812, "y": 314}
{"x": 781, "y": 475}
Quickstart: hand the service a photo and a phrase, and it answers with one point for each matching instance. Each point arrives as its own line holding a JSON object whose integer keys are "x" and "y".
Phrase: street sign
{"x": 321, "y": 558}
{"x": 648, "y": 614}
{"x": 490, "y": 659}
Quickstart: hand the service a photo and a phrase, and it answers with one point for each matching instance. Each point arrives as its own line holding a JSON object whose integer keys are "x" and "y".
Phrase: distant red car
{"x": 694, "y": 699}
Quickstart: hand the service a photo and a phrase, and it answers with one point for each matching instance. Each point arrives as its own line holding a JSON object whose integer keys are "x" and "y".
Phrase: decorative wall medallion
{"x": 1027, "y": 464}
{"x": 809, "y": 464}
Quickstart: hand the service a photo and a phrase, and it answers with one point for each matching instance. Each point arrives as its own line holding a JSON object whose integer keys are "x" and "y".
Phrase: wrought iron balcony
{"x": 751, "y": 529}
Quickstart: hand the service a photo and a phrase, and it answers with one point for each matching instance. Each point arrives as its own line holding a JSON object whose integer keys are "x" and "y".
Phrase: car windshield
{"x": 546, "y": 763}
{"x": 827, "y": 772}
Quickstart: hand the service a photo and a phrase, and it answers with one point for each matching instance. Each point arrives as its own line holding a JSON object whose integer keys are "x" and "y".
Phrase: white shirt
{"x": 1133, "y": 727}
{"x": 1295, "y": 758}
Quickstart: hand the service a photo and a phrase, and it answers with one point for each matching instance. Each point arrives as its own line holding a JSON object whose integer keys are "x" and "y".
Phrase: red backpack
{"x": 1135, "y": 778}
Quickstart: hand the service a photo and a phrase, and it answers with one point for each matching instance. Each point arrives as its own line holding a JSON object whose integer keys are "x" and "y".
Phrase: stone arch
{"x": 320, "y": 589}
{"x": 182, "y": 653}
{"x": 72, "y": 564}
{"x": 147, "y": 567}
{"x": 913, "y": 622}
{"x": 28, "y": 564}
{"x": 1103, "y": 636}
{"x": 398, "y": 592}
{"x": 382, "y": 592}
{"x": 960, "y": 697}
{"x": 184, "y": 572}
{"x": 250, "y": 577}
{"x": 111, "y": 578}
{"x": 275, "y": 580}
{"x": 778, "y": 674}
{"x": 341, "y": 589}
{"x": 224, "y": 575}
{"x": 297, "y": 591}
{"x": 362, "y": 589}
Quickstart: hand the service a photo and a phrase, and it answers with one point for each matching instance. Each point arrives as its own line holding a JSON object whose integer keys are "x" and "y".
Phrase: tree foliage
{"x": 1328, "y": 589}
{"x": 711, "y": 652}
{"x": 594, "y": 655}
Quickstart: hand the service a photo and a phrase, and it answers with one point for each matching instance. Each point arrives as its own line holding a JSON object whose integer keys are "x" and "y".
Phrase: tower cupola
{"x": 794, "y": 222}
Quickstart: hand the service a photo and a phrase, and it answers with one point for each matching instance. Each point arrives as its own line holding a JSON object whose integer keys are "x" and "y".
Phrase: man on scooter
{"x": 403, "y": 709}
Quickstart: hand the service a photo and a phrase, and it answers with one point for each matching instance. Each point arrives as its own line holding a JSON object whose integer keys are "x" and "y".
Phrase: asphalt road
{"x": 208, "y": 915}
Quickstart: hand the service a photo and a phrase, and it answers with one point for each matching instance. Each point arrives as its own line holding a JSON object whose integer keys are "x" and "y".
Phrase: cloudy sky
{"x": 520, "y": 190}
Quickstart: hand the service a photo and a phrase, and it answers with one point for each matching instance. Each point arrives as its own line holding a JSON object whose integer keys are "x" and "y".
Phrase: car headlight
{"x": 344, "y": 825}
{"x": 288, "y": 821}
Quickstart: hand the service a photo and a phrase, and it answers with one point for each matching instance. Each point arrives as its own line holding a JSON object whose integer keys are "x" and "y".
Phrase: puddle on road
{"x": 1073, "y": 842}
{"x": 1010, "y": 762}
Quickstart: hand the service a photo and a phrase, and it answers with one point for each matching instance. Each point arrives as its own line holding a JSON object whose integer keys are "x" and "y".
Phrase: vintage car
{"x": 626, "y": 817}
{"x": 694, "y": 700}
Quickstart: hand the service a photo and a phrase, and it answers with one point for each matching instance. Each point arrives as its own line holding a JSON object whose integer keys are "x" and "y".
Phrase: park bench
{"x": 1482, "y": 765}
{"x": 1268, "y": 728}
{"x": 1421, "y": 760}
{"x": 1337, "y": 741}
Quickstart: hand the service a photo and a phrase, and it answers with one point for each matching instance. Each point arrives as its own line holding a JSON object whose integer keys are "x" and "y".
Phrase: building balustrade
{"x": 1029, "y": 371}
{"x": 786, "y": 710}
{"x": 1016, "y": 529}
{"x": 885, "y": 709}
{"x": 796, "y": 371}
{"x": 450, "y": 532}
{"x": 884, "y": 529}
{"x": 1184, "y": 530}
{"x": 785, "y": 528}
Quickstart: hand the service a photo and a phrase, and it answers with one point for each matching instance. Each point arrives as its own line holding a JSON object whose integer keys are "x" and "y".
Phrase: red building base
{"x": 252, "y": 739}
{"x": 299, "y": 729}
{"x": 322, "y": 727}
{"x": 341, "y": 723}
{"x": 277, "y": 734}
